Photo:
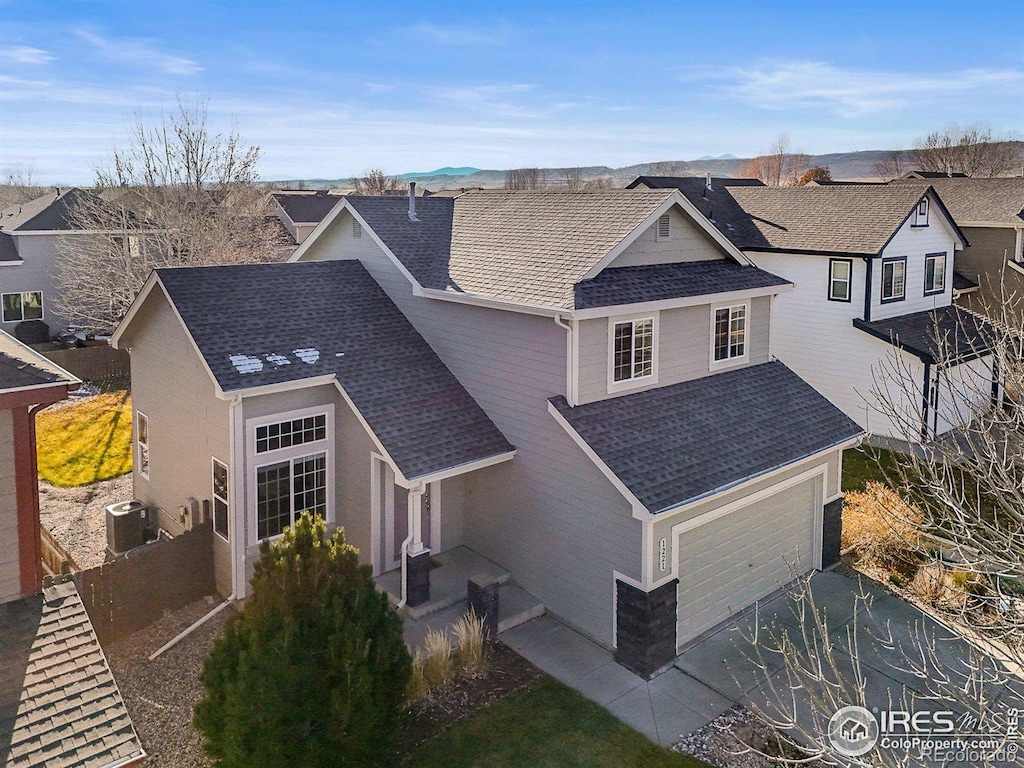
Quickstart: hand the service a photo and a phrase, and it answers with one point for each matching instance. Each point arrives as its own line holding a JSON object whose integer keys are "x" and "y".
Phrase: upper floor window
{"x": 730, "y": 333}
{"x": 894, "y": 279}
{"x": 25, "y": 305}
{"x": 664, "y": 227}
{"x": 285, "y": 434}
{"x": 633, "y": 349}
{"x": 921, "y": 214}
{"x": 840, "y": 277}
{"x": 934, "y": 273}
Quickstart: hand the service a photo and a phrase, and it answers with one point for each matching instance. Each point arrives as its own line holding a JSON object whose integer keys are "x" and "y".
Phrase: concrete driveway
{"x": 724, "y": 668}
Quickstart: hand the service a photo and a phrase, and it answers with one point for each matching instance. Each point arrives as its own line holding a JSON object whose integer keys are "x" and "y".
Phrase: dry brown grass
{"x": 881, "y": 527}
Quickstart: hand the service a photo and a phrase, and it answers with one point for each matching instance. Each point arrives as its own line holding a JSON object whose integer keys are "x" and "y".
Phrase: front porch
{"x": 450, "y": 572}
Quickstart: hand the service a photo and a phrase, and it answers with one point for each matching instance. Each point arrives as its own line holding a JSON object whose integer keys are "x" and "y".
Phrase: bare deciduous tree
{"x": 177, "y": 194}
{"x": 524, "y": 178}
{"x": 780, "y": 166}
{"x": 597, "y": 183}
{"x": 19, "y": 186}
{"x": 376, "y": 182}
{"x": 960, "y": 497}
{"x": 572, "y": 179}
{"x": 973, "y": 150}
{"x": 664, "y": 168}
{"x": 892, "y": 165}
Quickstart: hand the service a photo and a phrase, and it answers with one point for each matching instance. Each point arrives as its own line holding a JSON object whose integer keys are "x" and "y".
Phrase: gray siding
{"x": 10, "y": 573}
{"x": 38, "y": 273}
{"x": 548, "y": 516}
{"x": 188, "y": 424}
{"x": 686, "y": 242}
{"x": 983, "y": 261}
{"x": 684, "y": 347}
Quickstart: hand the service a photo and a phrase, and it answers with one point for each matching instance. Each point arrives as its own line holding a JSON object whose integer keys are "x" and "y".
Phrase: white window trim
{"x": 730, "y": 362}
{"x": 254, "y": 461}
{"x": 42, "y": 305}
{"x": 832, "y": 280}
{"x": 892, "y": 261}
{"x": 639, "y": 381}
{"x": 214, "y": 498}
{"x": 919, "y": 220}
{"x": 139, "y": 417}
{"x": 941, "y": 274}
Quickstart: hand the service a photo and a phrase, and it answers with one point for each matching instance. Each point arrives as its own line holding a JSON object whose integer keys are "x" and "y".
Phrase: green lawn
{"x": 86, "y": 442}
{"x": 545, "y": 725}
{"x": 863, "y": 464}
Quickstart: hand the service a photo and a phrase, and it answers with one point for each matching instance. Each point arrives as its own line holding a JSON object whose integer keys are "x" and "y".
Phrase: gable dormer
{"x": 673, "y": 237}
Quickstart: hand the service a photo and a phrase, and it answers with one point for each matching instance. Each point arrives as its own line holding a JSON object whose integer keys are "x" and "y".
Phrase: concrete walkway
{"x": 722, "y": 668}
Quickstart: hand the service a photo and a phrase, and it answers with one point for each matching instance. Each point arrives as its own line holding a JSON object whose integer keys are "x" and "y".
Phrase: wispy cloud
{"x": 456, "y": 34}
{"x": 24, "y": 54}
{"x": 782, "y": 85}
{"x": 499, "y": 99}
{"x": 141, "y": 53}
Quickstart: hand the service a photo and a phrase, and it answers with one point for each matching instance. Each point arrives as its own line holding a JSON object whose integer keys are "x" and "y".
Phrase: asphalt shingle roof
{"x": 272, "y": 323}
{"x": 963, "y": 283}
{"x": 857, "y": 219}
{"x": 51, "y": 211}
{"x": 678, "y": 443}
{"x": 978, "y": 200}
{"x": 59, "y": 704}
{"x": 940, "y": 334}
{"x": 524, "y": 247}
{"x": 23, "y": 367}
{"x": 655, "y": 282}
{"x": 307, "y": 208}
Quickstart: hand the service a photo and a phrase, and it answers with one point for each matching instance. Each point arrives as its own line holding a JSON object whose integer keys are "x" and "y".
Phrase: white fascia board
{"x": 284, "y": 386}
{"x": 72, "y": 384}
{"x": 639, "y": 510}
{"x": 688, "y": 301}
{"x": 463, "y": 469}
{"x": 16, "y": 263}
{"x": 140, "y": 298}
{"x": 990, "y": 224}
{"x": 482, "y": 301}
{"x": 313, "y": 236}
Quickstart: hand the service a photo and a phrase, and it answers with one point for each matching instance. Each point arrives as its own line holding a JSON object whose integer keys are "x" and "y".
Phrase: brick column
{"x": 645, "y": 627}
{"x": 831, "y": 533}
{"x": 417, "y": 575}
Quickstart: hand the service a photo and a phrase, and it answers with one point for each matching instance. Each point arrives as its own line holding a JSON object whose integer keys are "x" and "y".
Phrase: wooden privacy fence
{"x": 56, "y": 559}
{"x": 98, "y": 364}
{"x": 132, "y": 592}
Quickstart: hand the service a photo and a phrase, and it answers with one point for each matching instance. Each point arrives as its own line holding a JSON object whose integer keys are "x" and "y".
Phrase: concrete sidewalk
{"x": 723, "y": 668}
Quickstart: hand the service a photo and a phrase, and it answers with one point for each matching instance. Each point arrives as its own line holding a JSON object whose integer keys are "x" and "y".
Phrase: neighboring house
{"x": 29, "y": 234}
{"x": 579, "y": 387}
{"x": 932, "y": 175}
{"x": 873, "y": 270}
{"x": 28, "y": 383}
{"x": 301, "y": 210}
{"x": 990, "y": 212}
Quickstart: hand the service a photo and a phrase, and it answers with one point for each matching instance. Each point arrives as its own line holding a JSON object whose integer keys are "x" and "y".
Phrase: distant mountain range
{"x": 852, "y": 166}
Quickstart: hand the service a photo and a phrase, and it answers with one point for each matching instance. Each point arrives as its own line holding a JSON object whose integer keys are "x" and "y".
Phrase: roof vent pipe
{"x": 412, "y": 201}
{"x": 707, "y": 181}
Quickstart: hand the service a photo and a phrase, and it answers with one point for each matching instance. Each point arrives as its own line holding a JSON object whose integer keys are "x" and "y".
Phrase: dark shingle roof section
{"x": 657, "y": 282}
{"x": 8, "y": 248}
{"x": 307, "y": 208}
{"x": 50, "y": 212}
{"x": 995, "y": 201}
{"x": 678, "y": 443}
{"x": 59, "y": 704}
{"x": 271, "y": 323}
{"x": 842, "y": 219}
{"x": 22, "y": 367}
{"x": 963, "y": 283}
{"x": 949, "y": 333}
{"x": 525, "y": 247}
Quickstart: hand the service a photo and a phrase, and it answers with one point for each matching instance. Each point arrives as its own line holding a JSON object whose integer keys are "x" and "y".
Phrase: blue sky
{"x": 330, "y": 89}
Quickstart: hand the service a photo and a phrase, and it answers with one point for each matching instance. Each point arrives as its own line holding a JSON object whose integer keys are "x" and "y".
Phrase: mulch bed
{"x": 506, "y": 672}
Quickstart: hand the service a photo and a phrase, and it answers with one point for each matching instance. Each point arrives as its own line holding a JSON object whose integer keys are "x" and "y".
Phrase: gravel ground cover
{"x": 160, "y": 694}
{"x": 77, "y": 516}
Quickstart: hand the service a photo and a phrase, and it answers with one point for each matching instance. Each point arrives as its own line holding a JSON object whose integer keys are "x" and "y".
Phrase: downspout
{"x": 236, "y": 444}
{"x": 570, "y": 385}
{"x": 405, "y": 545}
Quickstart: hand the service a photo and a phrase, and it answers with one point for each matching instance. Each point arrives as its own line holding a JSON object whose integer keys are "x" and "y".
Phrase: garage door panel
{"x": 728, "y": 563}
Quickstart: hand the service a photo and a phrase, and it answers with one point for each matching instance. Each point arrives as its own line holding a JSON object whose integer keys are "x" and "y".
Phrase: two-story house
{"x": 871, "y": 322}
{"x": 579, "y": 387}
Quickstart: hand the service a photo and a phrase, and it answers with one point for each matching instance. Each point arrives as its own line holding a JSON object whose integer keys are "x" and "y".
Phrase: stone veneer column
{"x": 645, "y": 627}
{"x": 831, "y": 533}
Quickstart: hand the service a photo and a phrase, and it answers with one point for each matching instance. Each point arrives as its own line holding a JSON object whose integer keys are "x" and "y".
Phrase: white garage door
{"x": 729, "y": 563}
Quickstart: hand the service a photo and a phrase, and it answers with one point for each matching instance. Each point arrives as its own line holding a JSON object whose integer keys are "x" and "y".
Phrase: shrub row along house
{"x": 579, "y": 387}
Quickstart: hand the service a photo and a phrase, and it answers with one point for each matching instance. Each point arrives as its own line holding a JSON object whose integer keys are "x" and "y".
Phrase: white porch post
{"x": 416, "y": 519}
